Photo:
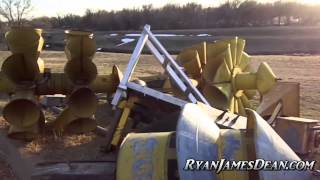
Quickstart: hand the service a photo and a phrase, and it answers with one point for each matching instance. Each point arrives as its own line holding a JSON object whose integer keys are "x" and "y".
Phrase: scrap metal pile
{"x": 25, "y": 78}
{"x": 206, "y": 95}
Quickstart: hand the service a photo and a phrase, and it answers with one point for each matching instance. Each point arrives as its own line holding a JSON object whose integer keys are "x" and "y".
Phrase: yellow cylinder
{"x": 245, "y": 81}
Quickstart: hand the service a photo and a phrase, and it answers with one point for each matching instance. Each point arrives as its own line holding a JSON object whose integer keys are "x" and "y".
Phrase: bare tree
{"x": 15, "y": 10}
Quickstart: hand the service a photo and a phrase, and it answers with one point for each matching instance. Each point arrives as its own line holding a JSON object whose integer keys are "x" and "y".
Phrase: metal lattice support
{"x": 168, "y": 63}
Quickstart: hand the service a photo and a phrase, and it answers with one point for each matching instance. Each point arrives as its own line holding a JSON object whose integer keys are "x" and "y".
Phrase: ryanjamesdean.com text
{"x": 259, "y": 164}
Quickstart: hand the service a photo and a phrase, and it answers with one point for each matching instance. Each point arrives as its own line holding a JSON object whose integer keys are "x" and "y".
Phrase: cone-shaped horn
{"x": 19, "y": 70}
{"x": 28, "y": 133}
{"x": 25, "y": 40}
{"x": 81, "y": 125}
{"x": 21, "y": 112}
{"x": 227, "y": 69}
{"x": 68, "y": 121}
{"x": 81, "y": 73}
{"x": 80, "y": 49}
{"x": 6, "y": 86}
{"x": 80, "y": 45}
{"x": 83, "y": 102}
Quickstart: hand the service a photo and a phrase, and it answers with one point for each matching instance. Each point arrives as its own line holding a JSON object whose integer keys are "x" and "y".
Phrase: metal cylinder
{"x": 23, "y": 111}
{"x": 27, "y": 133}
{"x": 80, "y": 49}
{"x": 19, "y": 70}
{"x": 81, "y": 125}
{"x": 81, "y": 72}
{"x": 70, "y": 122}
{"x": 80, "y": 45}
{"x": 83, "y": 102}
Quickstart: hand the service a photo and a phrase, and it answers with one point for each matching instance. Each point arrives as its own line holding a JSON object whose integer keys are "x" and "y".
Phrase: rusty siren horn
{"x": 18, "y": 70}
{"x": 227, "y": 79}
{"x": 82, "y": 72}
{"x": 68, "y": 121}
{"x": 25, "y": 40}
{"x": 80, "y": 49}
{"x": 22, "y": 69}
{"x": 23, "y": 110}
{"x": 28, "y": 133}
{"x": 83, "y": 102}
{"x": 80, "y": 45}
{"x": 24, "y": 64}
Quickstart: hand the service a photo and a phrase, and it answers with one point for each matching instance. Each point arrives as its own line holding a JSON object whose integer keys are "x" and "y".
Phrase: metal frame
{"x": 174, "y": 71}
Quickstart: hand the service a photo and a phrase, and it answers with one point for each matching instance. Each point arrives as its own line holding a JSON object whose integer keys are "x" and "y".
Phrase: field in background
{"x": 302, "y": 69}
{"x": 260, "y": 40}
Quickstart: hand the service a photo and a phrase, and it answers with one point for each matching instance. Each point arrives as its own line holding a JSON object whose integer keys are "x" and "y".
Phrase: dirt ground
{"x": 302, "y": 69}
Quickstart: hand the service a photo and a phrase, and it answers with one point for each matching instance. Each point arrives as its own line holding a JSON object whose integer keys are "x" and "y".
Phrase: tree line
{"x": 231, "y": 13}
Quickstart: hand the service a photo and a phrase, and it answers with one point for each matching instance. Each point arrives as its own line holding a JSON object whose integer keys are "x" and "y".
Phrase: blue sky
{"x": 61, "y": 7}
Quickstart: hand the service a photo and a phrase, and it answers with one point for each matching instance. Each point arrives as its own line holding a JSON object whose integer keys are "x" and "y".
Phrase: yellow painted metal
{"x": 23, "y": 111}
{"x": 58, "y": 83}
{"x": 68, "y": 121}
{"x": 80, "y": 49}
{"x": 126, "y": 107}
{"x": 144, "y": 156}
{"x": 232, "y": 145}
{"x": 285, "y": 93}
{"x": 122, "y": 122}
{"x": 83, "y": 102}
{"x": 227, "y": 80}
{"x": 24, "y": 63}
{"x": 79, "y": 115}
{"x": 81, "y": 72}
{"x": 107, "y": 83}
{"x": 18, "y": 69}
{"x": 170, "y": 85}
{"x": 26, "y": 133}
{"x": 23, "y": 75}
{"x": 6, "y": 86}
{"x": 80, "y": 45}
{"x": 25, "y": 40}
{"x": 190, "y": 60}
